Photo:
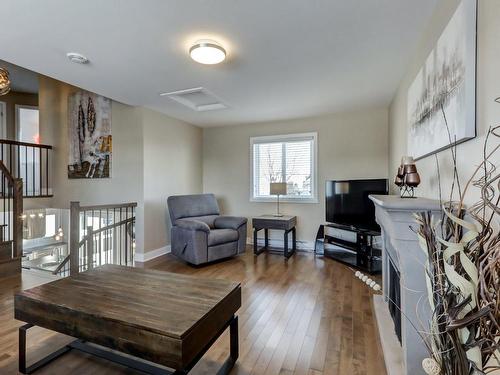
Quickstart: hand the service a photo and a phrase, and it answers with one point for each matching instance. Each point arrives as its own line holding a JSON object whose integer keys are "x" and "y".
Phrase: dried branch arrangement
{"x": 463, "y": 273}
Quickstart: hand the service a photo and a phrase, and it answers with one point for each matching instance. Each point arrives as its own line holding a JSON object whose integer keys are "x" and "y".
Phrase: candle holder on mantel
{"x": 407, "y": 178}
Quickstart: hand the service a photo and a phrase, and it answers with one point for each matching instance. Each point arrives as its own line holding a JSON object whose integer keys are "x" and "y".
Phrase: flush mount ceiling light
{"x": 4, "y": 81}
{"x": 207, "y": 52}
{"x": 77, "y": 58}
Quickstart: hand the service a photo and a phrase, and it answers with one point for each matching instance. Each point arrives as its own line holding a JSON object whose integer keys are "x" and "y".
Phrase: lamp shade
{"x": 277, "y": 188}
{"x": 342, "y": 187}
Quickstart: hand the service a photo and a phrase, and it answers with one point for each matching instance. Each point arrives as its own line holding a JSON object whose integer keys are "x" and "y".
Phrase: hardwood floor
{"x": 306, "y": 316}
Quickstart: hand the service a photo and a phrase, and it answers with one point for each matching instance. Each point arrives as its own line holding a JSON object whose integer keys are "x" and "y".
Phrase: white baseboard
{"x": 274, "y": 242}
{"x": 145, "y": 257}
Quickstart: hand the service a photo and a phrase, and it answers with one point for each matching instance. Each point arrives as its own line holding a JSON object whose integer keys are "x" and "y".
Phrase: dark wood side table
{"x": 286, "y": 223}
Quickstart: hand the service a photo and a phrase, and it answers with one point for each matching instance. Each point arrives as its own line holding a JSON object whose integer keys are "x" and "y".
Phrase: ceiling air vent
{"x": 198, "y": 99}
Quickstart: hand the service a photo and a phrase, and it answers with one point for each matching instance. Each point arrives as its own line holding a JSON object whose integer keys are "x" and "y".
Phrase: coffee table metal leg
{"x": 234, "y": 350}
{"x": 116, "y": 357}
{"x": 44, "y": 361}
{"x": 22, "y": 347}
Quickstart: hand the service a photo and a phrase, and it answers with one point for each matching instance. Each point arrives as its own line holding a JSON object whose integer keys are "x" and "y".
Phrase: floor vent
{"x": 198, "y": 99}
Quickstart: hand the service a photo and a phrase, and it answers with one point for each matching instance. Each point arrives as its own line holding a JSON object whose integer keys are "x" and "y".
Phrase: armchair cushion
{"x": 220, "y": 236}
{"x": 185, "y": 206}
{"x": 229, "y": 222}
{"x": 191, "y": 224}
{"x": 208, "y": 219}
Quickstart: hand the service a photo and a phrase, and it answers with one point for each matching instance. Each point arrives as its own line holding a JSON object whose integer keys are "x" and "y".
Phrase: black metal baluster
{"x": 26, "y": 167}
{"x": 132, "y": 237}
{"x": 8, "y": 214}
{"x": 92, "y": 239}
{"x": 126, "y": 240}
{"x": 3, "y": 185}
{"x": 100, "y": 238}
{"x": 10, "y": 158}
{"x": 40, "y": 170}
{"x": 105, "y": 240}
{"x": 33, "y": 164}
{"x": 121, "y": 236}
{"x": 84, "y": 233}
{"x": 3, "y": 206}
{"x": 47, "y": 170}
{"x": 18, "y": 159}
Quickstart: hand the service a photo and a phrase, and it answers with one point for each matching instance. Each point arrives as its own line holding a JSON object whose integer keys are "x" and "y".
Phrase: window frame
{"x": 314, "y": 166}
{"x": 17, "y": 109}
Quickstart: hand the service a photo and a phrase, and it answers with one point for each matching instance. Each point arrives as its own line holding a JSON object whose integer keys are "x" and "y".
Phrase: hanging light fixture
{"x": 4, "y": 81}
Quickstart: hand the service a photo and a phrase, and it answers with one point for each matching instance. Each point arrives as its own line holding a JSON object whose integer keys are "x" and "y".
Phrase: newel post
{"x": 74, "y": 237}
{"x": 18, "y": 220}
{"x": 90, "y": 247}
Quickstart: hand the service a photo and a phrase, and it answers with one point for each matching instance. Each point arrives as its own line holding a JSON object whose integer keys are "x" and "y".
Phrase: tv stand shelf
{"x": 360, "y": 254}
{"x": 340, "y": 242}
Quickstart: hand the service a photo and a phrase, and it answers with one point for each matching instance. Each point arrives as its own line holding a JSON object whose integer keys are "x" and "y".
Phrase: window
{"x": 50, "y": 225}
{"x": 284, "y": 158}
{"x": 27, "y": 124}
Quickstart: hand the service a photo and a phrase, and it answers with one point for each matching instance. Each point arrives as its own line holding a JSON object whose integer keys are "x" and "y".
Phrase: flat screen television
{"x": 347, "y": 202}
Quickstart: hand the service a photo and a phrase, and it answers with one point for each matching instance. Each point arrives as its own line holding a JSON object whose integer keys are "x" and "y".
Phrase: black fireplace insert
{"x": 395, "y": 298}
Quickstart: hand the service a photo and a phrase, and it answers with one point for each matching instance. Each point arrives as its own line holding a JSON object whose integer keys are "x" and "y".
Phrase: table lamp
{"x": 277, "y": 188}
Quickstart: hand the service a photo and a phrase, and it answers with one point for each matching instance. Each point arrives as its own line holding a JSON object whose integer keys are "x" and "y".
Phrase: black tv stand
{"x": 360, "y": 254}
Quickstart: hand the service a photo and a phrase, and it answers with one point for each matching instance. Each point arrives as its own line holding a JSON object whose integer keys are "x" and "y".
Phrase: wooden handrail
{"x": 6, "y": 172}
{"x": 75, "y": 216}
{"x": 96, "y": 231}
{"x": 61, "y": 265}
{"x": 107, "y": 206}
{"x": 26, "y": 144}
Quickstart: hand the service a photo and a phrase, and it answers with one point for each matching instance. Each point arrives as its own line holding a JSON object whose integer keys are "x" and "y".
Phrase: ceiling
{"x": 21, "y": 80}
{"x": 286, "y": 58}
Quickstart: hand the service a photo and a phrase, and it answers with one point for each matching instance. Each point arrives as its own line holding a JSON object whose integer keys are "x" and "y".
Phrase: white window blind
{"x": 288, "y": 158}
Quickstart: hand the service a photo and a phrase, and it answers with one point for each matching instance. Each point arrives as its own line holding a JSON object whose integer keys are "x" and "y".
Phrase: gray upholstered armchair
{"x": 200, "y": 234}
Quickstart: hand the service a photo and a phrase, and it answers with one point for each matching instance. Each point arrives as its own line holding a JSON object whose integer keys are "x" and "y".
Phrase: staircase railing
{"x": 11, "y": 221}
{"x": 103, "y": 234}
{"x": 31, "y": 163}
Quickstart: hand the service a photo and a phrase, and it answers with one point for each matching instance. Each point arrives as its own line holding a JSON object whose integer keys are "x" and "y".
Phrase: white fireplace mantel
{"x": 400, "y": 245}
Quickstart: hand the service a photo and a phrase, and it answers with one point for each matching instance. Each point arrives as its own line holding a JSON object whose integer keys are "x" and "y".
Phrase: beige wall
{"x": 488, "y": 112}
{"x": 12, "y": 99}
{"x": 154, "y": 156}
{"x": 350, "y": 145}
{"x": 125, "y": 185}
{"x": 172, "y": 165}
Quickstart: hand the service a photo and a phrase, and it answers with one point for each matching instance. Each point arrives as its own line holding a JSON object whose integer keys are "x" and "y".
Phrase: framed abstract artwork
{"x": 441, "y": 108}
{"x": 90, "y": 140}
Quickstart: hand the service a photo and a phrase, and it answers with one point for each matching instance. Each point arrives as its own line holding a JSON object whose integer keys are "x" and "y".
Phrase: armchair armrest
{"x": 229, "y": 222}
{"x": 190, "y": 224}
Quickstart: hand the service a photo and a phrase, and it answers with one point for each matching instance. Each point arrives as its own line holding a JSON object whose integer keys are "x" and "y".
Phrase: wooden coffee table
{"x": 169, "y": 320}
